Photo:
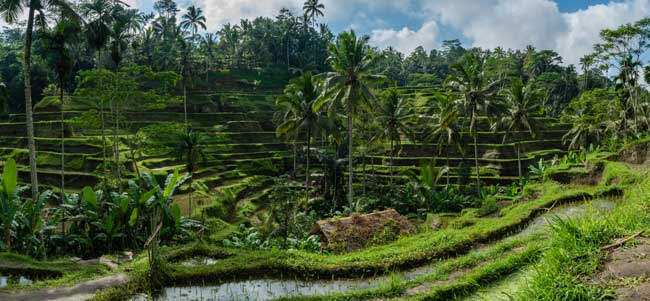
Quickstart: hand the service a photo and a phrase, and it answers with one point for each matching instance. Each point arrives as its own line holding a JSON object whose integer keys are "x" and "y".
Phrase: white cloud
{"x": 517, "y": 23}
{"x": 406, "y": 40}
{"x": 586, "y": 24}
{"x": 505, "y": 23}
{"x": 219, "y": 12}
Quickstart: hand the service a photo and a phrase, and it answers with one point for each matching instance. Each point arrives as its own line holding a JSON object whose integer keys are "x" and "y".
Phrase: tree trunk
{"x": 517, "y": 145}
{"x": 448, "y": 168}
{"x": 185, "y": 104}
{"x": 101, "y": 117}
{"x": 62, "y": 142}
{"x": 116, "y": 142}
{"x": 29, "y": 118}
{"x": 295, "y": 157}
{"x": 350, "y": 194}
{"x": 308, "y": 154}
{"x": 8, "y": 237}
{"x": 62, "y": 158}
{"x": 478, "y": 177}
{"x": 135, "y": 162}
{"x": 390, "y": 167}
{"x": 191, "y": 180}
{"x": 363, "y": 169}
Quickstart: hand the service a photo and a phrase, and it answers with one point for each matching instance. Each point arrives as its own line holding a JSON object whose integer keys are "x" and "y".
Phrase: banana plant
{"x": 9, "y": 202}
{"x": 34, "y": 226}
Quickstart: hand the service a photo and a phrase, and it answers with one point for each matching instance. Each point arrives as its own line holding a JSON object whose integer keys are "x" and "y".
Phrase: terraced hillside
{"x": 243, "y": 152}
{"x": 496, "y": 150}
{"x": 241, "y": 148}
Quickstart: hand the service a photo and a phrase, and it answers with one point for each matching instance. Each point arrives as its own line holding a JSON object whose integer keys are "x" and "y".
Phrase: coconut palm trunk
{"x": 363, "y": 170}
{"x": 390, "y": 167}
{"x": 478, "y": 177}
{"x": 29, "y": 118}
{"x": 447, "y": 162}
{"x": 350, "y": 194}
{"x": 62, "y": 158}
{"x": 308, "y": 154}
{"x": 62, "y": 117}
{"x": 103, "y": 129}
{"x": 518, "y": 147}
{"x": 475, "y": 134}
{"x": 185, "y": 104}
{"x": 295, "y": 156}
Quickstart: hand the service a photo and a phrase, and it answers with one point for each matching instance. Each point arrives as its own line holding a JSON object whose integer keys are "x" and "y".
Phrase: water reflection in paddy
{"x": 269, "y": 289}
{"x": 7, "y": 280}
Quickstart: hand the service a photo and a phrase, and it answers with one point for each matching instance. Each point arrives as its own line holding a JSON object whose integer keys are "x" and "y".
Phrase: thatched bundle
{"x": 361, "y": 230}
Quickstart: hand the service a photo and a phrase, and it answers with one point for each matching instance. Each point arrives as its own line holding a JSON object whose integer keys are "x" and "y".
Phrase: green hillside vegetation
{"x": 142, "y": 158}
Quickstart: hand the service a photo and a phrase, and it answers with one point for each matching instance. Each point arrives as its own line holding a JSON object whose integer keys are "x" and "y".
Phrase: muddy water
{"x": 198, "y": 261}
{"x": 6, "y": 280}
{"x": 269, "y": 289}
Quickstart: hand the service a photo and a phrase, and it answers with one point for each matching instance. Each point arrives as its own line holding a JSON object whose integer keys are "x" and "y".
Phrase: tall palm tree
{"x": 99, "y": 14}
{"x": 190, "y": 149}
{"x": 11, "y": 11}
{"x": 475, "y": 91}
{"x": 230, "y": 36}
{"x": 626, "y": 84}
{"x": 313, "y": 9}
{"x": 349, "y": 84}
{"x": 57, "y": 42}
{"x": 209, "y": 44}
{"x": 445, "y": 130}
{"x": 395, "y": 115}
{"x": 193, "y": 19}
{"x": 186, "y": 68}
{"x": 119, "y": 37}
{"x": 584, "y": 131}
{"x": 299, "y": 97}
{"x": 519, "y": 106}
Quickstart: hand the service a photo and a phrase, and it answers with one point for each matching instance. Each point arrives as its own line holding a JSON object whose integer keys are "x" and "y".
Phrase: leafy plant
{"x": 539, "y": 170}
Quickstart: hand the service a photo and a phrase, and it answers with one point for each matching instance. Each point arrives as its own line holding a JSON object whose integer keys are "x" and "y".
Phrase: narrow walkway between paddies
{"x": 79, "y": 292}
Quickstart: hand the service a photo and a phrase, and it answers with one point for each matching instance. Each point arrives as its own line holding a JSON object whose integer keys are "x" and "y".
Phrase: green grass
{"x": 574, "y": 250}
{"x": 69, "y": 272}
{"x": 406, "y": 252}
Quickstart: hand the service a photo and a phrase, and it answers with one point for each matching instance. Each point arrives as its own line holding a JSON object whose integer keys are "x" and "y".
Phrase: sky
{"x": 569, "y": 27}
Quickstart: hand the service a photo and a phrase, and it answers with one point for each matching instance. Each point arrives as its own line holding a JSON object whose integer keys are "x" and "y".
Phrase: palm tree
{"x": 11, "y": 12}
{"x": 519, "y": 106}
{"x": 348, "y": 85}
{"x": 209, "y": 44}
{"x": 626, "y": 83}
{"x": 57, "y": 42}
{"x": 313, "y": 9}
{"x": 99, "y": 14}
{"x": 230, "y": 38}
{"x": 193, "y": 19}
{"x": 584, "y": 131}
{"x": 445, "y": 128}
{"x": 475, "y": 91}
{"x": 185, "y": 71}
{"x": 299, "y": 98}
{"x": 190, "y": 149}
{"x": 119, "y": 37}
{"x": 395, "y": 116}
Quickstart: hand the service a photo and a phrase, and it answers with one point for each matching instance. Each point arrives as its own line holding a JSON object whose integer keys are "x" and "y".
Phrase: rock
{"x": 436, "y": 223}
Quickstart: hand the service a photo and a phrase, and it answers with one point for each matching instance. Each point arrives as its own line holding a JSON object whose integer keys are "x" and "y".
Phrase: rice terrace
{"x": 242, "y": 150}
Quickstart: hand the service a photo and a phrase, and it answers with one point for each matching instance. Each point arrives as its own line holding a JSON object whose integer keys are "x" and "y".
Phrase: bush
{"x": 488, "y": 206}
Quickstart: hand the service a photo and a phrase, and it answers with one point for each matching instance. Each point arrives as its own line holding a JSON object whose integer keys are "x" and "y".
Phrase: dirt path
{"x": 627, "y": 270}
{"x": 79, "y": 292}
